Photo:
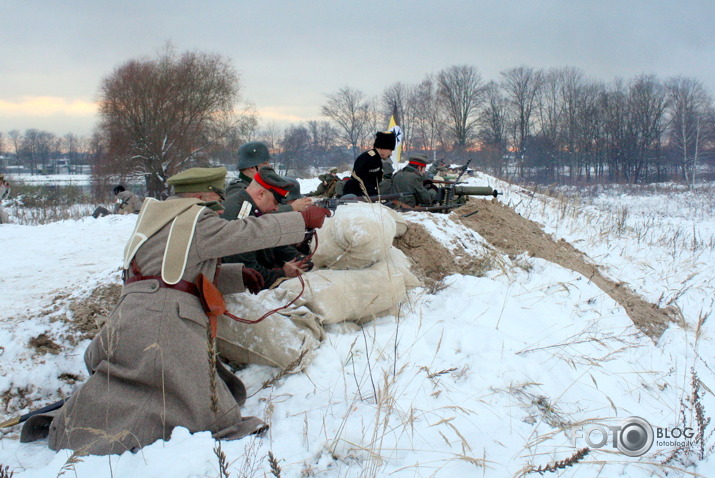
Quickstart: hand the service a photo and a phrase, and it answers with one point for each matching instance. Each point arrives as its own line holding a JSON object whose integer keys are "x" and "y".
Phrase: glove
{"x": 314, "y": 216}
{"x": 253, "y": 280}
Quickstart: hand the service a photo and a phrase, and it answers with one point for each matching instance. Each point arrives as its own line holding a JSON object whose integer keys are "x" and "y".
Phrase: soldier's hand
{"x": 314, "y": 216}
{"x": 295, "y": 268}
{"x": 301, "y": 204}
{"x": 306, "y": 263}
{"x": 252, "y": 280}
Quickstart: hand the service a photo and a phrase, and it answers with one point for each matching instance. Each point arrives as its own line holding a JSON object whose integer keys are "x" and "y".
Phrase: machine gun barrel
{"x": 460, "y": 190}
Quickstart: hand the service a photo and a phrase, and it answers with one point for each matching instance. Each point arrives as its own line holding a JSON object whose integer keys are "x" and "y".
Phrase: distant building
{"x": 57, "y": 166}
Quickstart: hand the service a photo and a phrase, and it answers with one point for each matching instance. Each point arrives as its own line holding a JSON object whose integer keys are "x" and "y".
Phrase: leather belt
{"x": 181, "y": 286}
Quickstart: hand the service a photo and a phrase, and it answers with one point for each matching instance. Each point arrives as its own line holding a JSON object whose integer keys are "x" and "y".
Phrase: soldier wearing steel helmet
{"x": 251, "y": 157}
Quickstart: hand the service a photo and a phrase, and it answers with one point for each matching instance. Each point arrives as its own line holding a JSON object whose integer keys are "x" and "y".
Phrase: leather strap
{"x": 181, "y": 286}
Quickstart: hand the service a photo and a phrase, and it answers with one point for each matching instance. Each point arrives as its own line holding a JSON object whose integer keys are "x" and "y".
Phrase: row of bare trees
{"x": 33, "y": 149}
{"x": 547, "y": 125}
{"x": 163, "y": 114}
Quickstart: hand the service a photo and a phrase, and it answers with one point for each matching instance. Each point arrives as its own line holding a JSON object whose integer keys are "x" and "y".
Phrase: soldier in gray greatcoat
{"x": 410, "y": 180}
{"x": 152, "y": 366}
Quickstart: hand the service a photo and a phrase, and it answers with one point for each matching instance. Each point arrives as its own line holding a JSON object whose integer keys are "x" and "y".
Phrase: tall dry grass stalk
{"x": 222, "y": 461}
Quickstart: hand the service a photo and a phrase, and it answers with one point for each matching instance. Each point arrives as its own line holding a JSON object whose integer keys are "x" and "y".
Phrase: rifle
{"x": 17, "y": 420}
{"x": 333, "y": 203}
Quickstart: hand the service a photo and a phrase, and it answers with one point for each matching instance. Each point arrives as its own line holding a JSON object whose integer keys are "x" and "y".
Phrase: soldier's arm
{"x": 230, "y": 279}
{"x": 250, "y": 259}
{"x": 216, "y": 237}
{"x": 424, "y": 196}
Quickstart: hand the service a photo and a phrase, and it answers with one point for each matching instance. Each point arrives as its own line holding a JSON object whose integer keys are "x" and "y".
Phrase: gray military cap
{"x": 419, "y": 159}
{"x": 293, "y": 190}
{"x": 278, "y": 185}
{"x": 252, "y": 154}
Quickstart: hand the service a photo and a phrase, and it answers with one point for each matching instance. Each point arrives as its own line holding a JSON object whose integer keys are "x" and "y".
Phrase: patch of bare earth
{"x": 514, "y": 234}
{"x": 90, "y": 313}
{"x": 433, "y": 261}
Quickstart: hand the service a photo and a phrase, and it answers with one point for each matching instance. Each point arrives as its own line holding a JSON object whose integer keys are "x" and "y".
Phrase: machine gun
{"x": 384, "y": 199}
{"x": 452, "y": 193}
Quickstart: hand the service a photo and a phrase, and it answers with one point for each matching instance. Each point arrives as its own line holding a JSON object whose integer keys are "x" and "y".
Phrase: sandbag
{"x": 355, "y": 237}
{"x": 358, "y": 276}
{"x": 358, "y": 295}
{"x": 278, "y": 340}
{"x": 400, "y": 223}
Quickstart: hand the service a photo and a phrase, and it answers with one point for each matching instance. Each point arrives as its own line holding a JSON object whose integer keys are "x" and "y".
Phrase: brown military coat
{"x": 149, "y": 365}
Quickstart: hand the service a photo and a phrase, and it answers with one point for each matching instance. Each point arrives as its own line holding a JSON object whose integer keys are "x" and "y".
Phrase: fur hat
{"x": 385, "y": 140}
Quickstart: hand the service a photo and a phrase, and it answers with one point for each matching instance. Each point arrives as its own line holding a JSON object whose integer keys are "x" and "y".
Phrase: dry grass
{"x": 32, "y": 205}
{"x": 578, "y": 456}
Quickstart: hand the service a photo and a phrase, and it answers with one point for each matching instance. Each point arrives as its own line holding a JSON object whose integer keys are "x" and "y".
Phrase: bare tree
{"x": 522, "y": 86}
{"x": 493, "y": 126}
{"x": 460, "y": 91}
{"x": 246, "y": 128}
{"x": 15, "y": 141}
{"x": 161, "y": 115}
{"x": 350, "y": 109}
{"x": 399, "y": 98}
{"x": 37, "y": 147}
{"x": 427, "y": 117}
{"x": 296, "y": 149}
{"x": 271, "y": 134}
{"x": 647, "y": 102}
{"x": 689, "y": 106}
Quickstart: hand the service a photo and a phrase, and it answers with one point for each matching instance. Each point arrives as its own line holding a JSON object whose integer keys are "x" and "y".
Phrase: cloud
{"x": 280, "y": 114}
{"x": 44, "y": 106}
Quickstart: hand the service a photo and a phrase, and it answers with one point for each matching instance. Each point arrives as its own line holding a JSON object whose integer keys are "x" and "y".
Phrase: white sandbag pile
{"x": 358, "y": 276}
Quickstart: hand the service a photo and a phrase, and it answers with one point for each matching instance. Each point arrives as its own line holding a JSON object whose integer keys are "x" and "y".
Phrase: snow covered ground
{"x": 489, "y": 376}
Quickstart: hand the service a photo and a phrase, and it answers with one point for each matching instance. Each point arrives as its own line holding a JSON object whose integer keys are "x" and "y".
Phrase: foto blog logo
{"x": 633, "y": 437}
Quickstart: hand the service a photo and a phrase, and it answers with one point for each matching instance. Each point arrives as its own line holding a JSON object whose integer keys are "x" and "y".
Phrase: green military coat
{"x": 268, "y": 262}
{"x": 407, "y": 180}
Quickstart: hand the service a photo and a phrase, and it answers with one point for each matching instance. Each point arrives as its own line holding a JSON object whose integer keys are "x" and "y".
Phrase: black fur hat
{"x": 385, "y": 140}
{"x": 118, "y": 189}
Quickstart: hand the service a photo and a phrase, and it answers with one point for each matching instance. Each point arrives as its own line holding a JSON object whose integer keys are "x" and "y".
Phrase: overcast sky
{"x": 290, "y": 54}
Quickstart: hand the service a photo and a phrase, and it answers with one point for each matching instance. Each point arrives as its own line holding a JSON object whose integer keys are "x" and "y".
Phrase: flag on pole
{"x": 394, "y": 127}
